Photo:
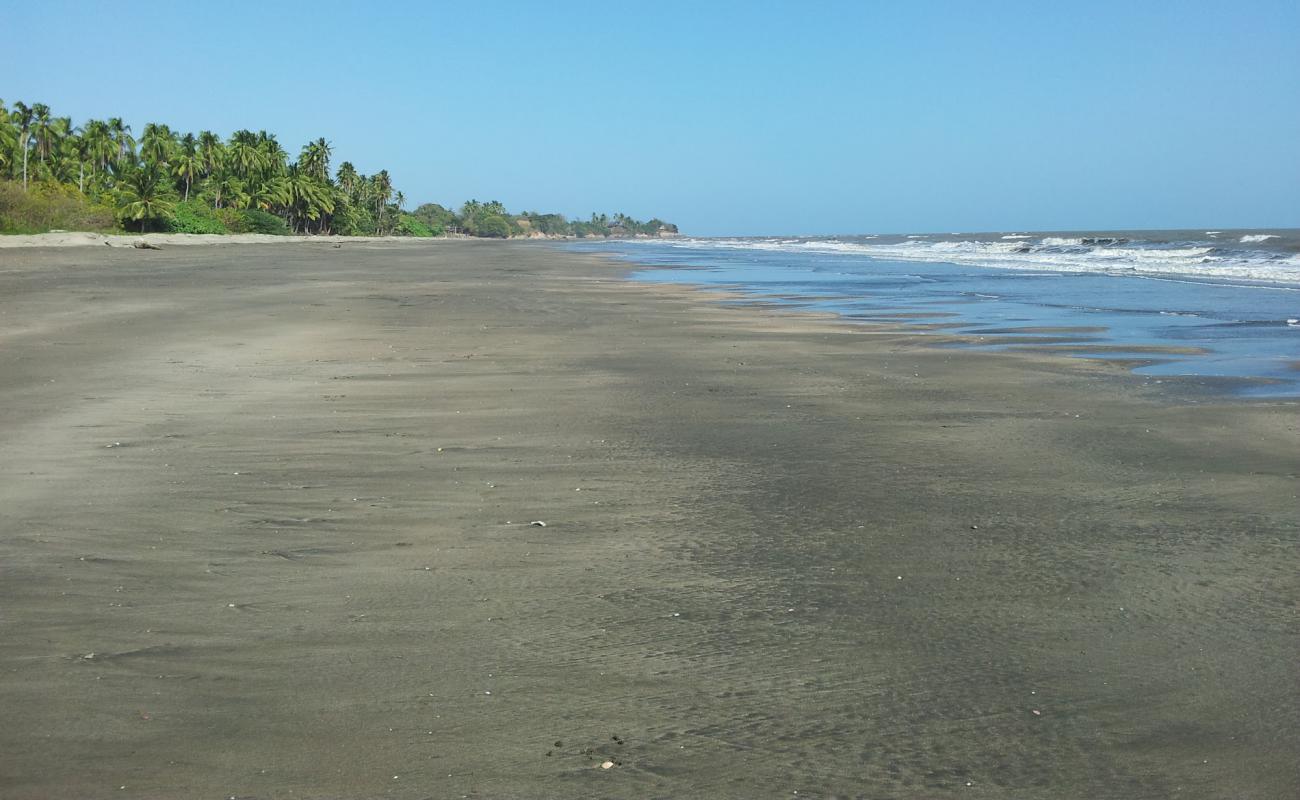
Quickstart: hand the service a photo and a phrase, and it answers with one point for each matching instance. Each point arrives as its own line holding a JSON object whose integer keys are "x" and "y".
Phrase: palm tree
{"x": 42, "y": 130}
{"x": 310, "y": 199}
{"x": 348, "y": 178}
{"x": 144, "y": 193}
{"x": 65, "y": 153}
{"x": 270, "y": 193}
{"x": 315, "y": 160}
{"x": 227, "y": 188}
{"x": 22, "y": 117}
{"x": 211, "y": 150}
{"x": 121, "y": 135}
{"x": 105, "y": 162}
{"x": 187, "y": 165}
{"x": 274, "y": 158}
{"x": 156, "y": 143}
{"x": 186, "y": 162}
{"x": 382, "y": 187}
{"x": 81, "y": 146}
{"x": 246, "y": 158}
{"x": 8, "y": 140}
{"x": 98, "y": 138}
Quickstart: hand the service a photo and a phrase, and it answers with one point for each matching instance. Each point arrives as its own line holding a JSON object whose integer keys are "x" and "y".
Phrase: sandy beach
{"x": 160, "y": 240}
{"x": 266, "y": 531}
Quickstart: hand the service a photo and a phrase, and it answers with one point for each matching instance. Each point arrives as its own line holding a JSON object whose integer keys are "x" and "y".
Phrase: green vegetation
{"x": 193, "y": 216}
{"x": 435, "y": 217}
{"x": 50, "y": 206}
{"x": 411, "y": 226}
{"x": 54, "y": 175}
{"x": 254, "y": 220}
{"x": 491, "y": 219}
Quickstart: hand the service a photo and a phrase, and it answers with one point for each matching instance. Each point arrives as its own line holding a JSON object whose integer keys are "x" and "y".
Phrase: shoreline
{"x": 54, "y": 239}
{"x": 1220, "y": 337}
{"x": 1171, "y": 388}
{"x": 59, "y": 239}
{"x": 267, "y": 533}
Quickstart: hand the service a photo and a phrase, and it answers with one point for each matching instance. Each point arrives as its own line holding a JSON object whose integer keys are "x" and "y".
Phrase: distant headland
{"x": 99, "y": 177}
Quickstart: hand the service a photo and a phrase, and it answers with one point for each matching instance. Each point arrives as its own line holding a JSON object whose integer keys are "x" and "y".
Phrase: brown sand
{"x": 264, "y": 534}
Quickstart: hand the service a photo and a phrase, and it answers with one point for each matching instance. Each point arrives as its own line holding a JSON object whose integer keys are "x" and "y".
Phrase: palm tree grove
{"x": 101, "y": 176}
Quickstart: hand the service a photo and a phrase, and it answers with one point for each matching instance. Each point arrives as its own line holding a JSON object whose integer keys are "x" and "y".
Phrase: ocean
{"x": 1222, "y": 306}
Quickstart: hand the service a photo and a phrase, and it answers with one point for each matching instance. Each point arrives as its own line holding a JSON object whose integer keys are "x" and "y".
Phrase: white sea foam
{"x": 1017, "y": 236}
{"x": 1256, "y": 238}
{"x": 1052, "y": 254}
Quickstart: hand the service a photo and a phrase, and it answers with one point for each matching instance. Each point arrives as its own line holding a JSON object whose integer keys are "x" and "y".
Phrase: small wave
{"x": 1166, "y": 254}
{"x": 1086, "y": 241}
{"x": 1017, "y": 236}
{"x": 1256, "y": 238}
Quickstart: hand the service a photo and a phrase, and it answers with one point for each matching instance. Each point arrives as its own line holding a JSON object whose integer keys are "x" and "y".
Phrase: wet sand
{"x": 264, "y": 533}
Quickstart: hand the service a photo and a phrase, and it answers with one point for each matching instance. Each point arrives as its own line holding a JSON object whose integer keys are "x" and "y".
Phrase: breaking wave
{"x": 1119, "y": 255}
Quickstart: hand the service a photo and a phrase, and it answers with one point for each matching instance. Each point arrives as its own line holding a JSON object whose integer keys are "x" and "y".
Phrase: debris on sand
{"x": 143, "y": 245}
{"x": 606, "y": 764}
{"x": 537, "y": 523}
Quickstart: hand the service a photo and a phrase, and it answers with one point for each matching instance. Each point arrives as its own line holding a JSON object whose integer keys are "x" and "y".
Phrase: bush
{"x": 410, "y": 226}
{"x": 493, "y": 226}
{"x": 194, "y": 216}
{"x": 229, "y": 219}
{"x": 254, "y": 220}
{"x": 435, "y": 216}
{"x": 50, "y": 206}
{"x": 350, "y": 220}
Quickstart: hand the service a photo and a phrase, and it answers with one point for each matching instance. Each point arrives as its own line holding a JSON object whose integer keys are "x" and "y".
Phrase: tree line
{"x": 99, "y": 175}
{"x": 492, "y": 220}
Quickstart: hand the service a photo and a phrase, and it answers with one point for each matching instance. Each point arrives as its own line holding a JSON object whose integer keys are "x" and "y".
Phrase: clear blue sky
{"x": 728, "y": 118}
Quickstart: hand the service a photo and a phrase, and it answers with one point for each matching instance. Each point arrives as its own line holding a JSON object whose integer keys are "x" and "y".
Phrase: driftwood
{"x": 142, "y": 245}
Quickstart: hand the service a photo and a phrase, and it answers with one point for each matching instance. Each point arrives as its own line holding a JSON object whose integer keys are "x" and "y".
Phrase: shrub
{"x": 350, "y": 220}
{"x": 410, "y": 226}
{"x": 50, "y": 206}
{"x": 229, "y": 219}
{"x": 493, "y": 226}
{"x": 435, "y": 216}
{"x": 194, "y": 216}
{"x": 257, "y": 221}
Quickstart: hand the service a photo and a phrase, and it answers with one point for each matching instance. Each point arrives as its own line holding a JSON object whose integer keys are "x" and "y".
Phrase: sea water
{"x": 1214, "y": 304}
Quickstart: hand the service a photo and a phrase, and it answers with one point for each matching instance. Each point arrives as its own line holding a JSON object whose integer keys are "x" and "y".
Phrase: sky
{"x": 728, "y": 118}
